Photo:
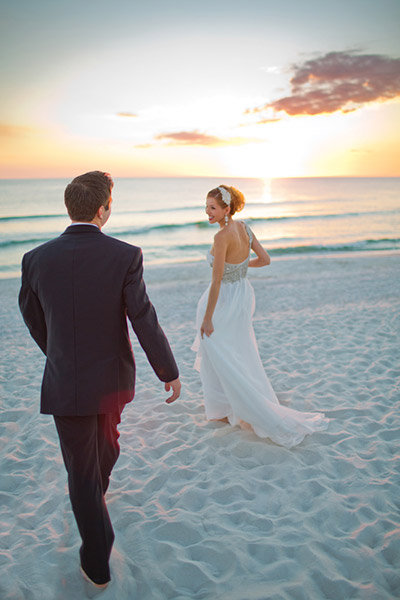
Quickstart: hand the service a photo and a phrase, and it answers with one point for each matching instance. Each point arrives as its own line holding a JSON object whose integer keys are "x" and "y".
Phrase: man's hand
{"x": 176, "y": 389}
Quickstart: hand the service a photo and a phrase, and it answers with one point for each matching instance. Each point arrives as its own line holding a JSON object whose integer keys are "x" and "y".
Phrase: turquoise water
{"x": 166, "y": 216}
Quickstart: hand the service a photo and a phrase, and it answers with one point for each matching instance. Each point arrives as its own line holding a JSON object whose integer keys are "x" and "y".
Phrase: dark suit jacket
{"x": 77, "y": 291}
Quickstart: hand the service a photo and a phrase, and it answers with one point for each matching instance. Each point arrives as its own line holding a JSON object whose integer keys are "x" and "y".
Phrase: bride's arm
{"x": 263, "y": 258}
{"x": 217, "y": 273}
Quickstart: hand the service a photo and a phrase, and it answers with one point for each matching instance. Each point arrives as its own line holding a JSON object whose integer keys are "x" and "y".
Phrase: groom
{"x": 77, "y": 292}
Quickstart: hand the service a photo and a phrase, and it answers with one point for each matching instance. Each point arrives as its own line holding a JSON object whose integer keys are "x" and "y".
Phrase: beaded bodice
{"x": 235, "y": 272}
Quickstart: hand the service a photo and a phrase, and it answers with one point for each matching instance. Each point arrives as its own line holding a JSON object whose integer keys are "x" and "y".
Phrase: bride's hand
{"x": 206, "y": 328}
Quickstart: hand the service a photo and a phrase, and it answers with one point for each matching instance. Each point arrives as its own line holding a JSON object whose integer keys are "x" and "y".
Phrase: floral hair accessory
{"x": 226, "y": 196}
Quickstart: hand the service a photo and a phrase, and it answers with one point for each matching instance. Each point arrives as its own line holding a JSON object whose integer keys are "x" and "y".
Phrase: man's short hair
{"x": 86, "y": 193}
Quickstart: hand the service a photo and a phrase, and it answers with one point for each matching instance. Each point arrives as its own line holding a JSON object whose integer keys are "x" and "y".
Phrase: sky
{"x": 256, "y": 88}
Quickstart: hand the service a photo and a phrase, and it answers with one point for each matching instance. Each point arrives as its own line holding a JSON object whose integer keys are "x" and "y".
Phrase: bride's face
{"x": 215, "y": 212}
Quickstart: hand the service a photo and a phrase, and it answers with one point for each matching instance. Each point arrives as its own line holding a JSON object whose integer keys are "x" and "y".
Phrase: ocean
{"x": 166, "y": 217}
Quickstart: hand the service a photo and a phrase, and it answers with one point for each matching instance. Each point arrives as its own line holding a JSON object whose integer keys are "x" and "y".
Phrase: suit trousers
{"x": 90, "y": 449}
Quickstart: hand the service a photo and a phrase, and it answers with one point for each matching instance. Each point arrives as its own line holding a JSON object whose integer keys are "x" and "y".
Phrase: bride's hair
{"x": 237, "y": 198}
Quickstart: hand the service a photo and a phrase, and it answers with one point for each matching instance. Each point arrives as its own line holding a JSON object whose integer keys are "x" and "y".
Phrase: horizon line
{"x": 208, "y": 177}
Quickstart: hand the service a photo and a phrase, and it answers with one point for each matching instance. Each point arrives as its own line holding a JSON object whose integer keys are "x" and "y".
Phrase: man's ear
{"x": 100, "y": 212}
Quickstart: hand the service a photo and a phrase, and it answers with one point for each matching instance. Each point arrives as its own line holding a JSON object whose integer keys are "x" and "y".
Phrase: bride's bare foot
{"x": 223, "y": 420}
{"x": 244, "y": 425}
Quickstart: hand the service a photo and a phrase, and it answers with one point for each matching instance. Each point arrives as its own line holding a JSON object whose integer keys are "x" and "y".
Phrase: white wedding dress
{"x": 232, "y": 375}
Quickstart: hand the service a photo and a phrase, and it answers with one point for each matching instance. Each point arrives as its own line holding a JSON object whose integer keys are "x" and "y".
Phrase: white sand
{"x": 204, "y": 511}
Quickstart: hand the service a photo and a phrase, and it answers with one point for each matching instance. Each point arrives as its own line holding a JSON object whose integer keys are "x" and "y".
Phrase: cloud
{"x": 128, "y": 115}
{"x": 268, "y": 120}
{"x": 189, "y": 138}
{"x": 361, "y": 151}
{"x": 196, "y": 138}
{"x": 274, "y": 70}
{"x": 338, "y": 81}
{"x": 14, "y": 131}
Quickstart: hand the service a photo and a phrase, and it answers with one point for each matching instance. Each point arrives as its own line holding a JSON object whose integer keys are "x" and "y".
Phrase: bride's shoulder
{"x": 221, "y": 235}
{"x": 246, "y": 228}
{"x": 221, "y": 241}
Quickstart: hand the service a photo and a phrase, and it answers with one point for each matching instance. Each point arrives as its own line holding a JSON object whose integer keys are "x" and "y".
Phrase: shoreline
{"x": 148, "y": 266}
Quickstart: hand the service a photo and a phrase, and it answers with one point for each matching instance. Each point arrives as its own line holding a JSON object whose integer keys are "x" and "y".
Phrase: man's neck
{"x": 86, "y": 223}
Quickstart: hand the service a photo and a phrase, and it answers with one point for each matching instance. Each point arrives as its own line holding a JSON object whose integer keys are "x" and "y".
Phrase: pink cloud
{"x": 189, "y": 138}
{"x": 338, "y": 81}
{"x": 126, "y": 114}
{"x": 13, "y": 131}
{"x": 196, "y": 138}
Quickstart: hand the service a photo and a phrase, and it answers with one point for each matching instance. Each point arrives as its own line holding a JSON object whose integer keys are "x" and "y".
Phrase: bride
{"x": 235, "y": 386}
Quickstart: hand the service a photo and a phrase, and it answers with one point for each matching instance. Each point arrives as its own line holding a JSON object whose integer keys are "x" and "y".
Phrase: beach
{"x": 206, "y": 511}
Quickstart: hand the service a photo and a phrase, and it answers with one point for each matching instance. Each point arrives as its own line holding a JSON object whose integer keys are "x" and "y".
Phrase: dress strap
{"x": 249, "y": 233}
